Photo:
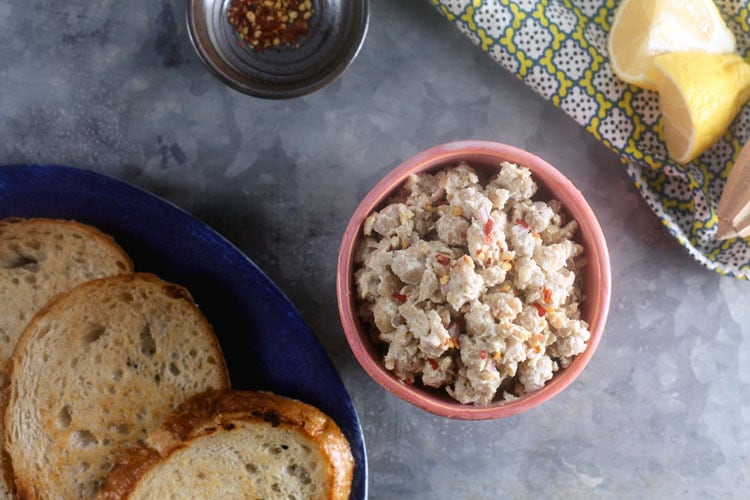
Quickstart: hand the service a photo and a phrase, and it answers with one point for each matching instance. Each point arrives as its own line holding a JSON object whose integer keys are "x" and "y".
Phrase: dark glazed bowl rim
{"x": 332, "y": 44}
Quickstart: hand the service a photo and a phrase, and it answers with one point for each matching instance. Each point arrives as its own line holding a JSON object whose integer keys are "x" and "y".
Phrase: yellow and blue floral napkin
{"x": 559, "y": 49}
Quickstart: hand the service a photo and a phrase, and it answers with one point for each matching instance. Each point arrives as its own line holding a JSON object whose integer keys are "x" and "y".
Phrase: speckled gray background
{"x": 662, "y": 411}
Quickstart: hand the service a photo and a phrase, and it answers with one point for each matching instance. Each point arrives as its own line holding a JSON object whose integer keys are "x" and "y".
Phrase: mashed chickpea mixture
{"x": 473, "y": 285}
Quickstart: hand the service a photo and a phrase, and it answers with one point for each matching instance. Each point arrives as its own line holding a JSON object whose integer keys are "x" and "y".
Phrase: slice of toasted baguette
{"x": 97, "y": 369}
{"x": 237, "y": 444}
{"x": 40, "y": 258}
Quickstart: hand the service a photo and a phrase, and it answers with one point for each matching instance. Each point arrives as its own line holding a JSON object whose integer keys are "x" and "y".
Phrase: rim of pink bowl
{"x": 596, "y": 307}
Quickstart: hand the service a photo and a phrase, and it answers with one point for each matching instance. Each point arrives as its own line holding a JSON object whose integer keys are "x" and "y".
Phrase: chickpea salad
{"x": 472, "y": 286}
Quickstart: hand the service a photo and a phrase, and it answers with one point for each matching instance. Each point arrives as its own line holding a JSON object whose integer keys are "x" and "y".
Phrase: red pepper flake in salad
{"x": 540, "y": 309}
{"x": 488, "y": 227}
{"x": 522, "y": 223}
{"x": 399, "y": 296}
{"x": 483, "y": 354}
{"x": 269, "y": 23}
{"x": 442, "y": 259}
{"x": 433, "y": 363}
{"x": 546, "y": 294}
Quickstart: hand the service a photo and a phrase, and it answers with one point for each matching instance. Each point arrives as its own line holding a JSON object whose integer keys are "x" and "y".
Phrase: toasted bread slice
{"x": 40, "y": 258}
{"x": 237, "y": 444}
{"x": 97, "y": 369}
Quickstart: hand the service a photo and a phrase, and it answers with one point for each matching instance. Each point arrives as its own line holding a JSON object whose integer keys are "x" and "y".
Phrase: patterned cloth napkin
{"x": 559, "y": 49}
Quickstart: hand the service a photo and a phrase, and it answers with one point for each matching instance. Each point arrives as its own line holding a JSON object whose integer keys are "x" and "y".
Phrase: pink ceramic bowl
{"x": 552, "y": 184}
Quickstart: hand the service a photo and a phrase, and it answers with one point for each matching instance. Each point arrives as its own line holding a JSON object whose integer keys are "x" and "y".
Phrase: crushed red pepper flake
{"x": 540, "y": 309}
{"x": 547, "y": 294}
{"x": 400, "y": 297}
{"x": 442, "y": 259}
{"x": 269, "y": 23}
{"x": 488, "y": 227}
{"x": 433, "y": 363}
{"x": 522, "y": 223}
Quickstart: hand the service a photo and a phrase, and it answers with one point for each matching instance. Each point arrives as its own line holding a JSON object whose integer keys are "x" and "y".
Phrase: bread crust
{"x": 217, "y": 411}
{"x": 92, "y": 231}
{"x": 25, "y": 480}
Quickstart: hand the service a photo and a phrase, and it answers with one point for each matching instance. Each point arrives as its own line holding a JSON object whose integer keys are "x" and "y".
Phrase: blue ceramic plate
{"x": 266, "y": 343}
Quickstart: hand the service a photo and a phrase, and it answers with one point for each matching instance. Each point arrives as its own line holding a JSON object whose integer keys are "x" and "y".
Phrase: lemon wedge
{"x": 699, "y": 94}
{"x": 643, "y": 29}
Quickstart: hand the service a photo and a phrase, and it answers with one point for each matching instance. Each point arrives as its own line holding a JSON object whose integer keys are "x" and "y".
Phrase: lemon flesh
{"x": 643, "y": 29}
{"x": 699, "y": 94}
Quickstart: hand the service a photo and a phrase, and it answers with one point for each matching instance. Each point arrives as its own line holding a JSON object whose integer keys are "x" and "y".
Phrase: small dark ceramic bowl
{"x": 336, "y": 32}
{"x": 484, "y": 156}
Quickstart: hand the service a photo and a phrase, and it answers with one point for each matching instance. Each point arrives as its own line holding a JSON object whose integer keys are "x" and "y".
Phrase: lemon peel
{"x": 643, "y": 29}
{"x": 699, "y": 94}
